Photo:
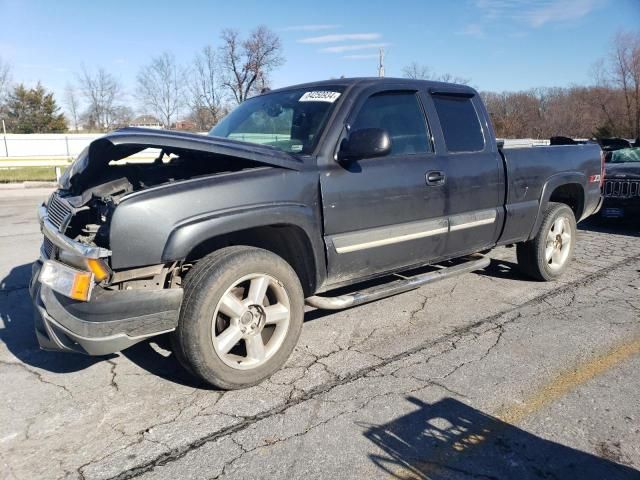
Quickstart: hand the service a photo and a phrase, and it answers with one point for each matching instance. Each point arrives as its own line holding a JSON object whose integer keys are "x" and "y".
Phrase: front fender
{"x": 144, "y": 221}
{"x": 193, "y": 231}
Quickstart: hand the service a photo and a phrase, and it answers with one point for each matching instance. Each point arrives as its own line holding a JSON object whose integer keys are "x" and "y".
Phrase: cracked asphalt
{"x": 487, "y": 376}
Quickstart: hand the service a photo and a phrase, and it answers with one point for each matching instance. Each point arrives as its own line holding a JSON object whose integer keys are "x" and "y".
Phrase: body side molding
{"x": 390, "y": 234}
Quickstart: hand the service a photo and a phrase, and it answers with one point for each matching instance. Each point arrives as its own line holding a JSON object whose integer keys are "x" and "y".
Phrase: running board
{"x": 475, "y": 262}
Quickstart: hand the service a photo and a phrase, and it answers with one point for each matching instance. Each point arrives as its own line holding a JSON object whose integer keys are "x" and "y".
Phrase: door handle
{"x": 435, "y": 178}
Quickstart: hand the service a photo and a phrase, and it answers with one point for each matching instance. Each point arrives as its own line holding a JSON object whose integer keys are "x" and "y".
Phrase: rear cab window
{"x": 460, "y": 123}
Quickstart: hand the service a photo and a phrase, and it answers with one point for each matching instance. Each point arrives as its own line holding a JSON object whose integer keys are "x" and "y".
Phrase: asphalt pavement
{"x": 485, "y": 376}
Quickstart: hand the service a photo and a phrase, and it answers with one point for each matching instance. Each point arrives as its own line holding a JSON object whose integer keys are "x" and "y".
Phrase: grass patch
{"x": 27, "y": 174}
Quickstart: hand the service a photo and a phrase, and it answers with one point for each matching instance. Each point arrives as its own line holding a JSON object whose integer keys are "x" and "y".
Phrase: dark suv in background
{"x": 621, "y": 188}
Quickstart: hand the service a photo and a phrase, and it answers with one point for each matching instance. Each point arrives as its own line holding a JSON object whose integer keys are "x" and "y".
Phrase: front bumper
{"x": 628, "y": 208}
{"x": 110, "y": 322}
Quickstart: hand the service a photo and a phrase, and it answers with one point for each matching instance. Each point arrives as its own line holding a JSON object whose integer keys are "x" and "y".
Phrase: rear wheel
{"x": 241, "y": 317}
{"x": 547, "y": 255}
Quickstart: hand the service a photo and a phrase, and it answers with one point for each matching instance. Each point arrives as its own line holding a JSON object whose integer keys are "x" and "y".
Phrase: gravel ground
{"x": 487, "y": 376}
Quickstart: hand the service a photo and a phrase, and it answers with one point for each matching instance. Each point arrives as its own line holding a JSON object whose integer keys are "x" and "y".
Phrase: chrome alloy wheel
{"x": 558, "y": 244}
{"x": 251, "y": 321}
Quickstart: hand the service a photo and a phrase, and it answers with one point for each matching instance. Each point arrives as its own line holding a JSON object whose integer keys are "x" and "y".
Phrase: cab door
{"x": 380, "y": 214}
{"x": 472, "y": 168}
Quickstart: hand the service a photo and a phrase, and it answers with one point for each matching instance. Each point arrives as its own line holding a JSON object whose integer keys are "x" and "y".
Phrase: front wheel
{"x": 241, "y": 317}
{"x": 547, "y": 255}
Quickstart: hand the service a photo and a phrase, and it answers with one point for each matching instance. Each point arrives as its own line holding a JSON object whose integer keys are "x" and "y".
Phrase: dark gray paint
{"x": 326, "y": 198}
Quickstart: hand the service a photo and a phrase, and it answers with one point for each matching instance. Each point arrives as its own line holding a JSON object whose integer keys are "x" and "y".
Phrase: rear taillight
{"x": 601, "y": 169}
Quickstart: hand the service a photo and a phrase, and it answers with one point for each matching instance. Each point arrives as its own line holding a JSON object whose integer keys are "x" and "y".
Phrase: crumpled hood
{"x": 629, "y": 170}
{"x": 128, "y": 141}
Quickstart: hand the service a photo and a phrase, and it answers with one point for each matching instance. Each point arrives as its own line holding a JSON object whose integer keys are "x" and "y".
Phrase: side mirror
{"x": 365, "y": 143}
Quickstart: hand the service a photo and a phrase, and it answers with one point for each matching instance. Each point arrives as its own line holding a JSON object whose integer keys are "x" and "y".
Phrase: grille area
{"x": 48, "y": 248}
{"x": 621, "y": 188}
{"x": 59, "y": 212}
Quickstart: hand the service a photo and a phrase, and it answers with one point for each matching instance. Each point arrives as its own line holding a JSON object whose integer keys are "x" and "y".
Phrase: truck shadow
{"x": 503, "y": 269}
{"x": 156, "y": 357}
{"x": 449, "y": 439}
{"x": 17, "y": 331}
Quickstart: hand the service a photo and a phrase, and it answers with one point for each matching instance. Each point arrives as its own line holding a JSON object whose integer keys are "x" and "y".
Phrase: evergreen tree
{"x": 34, "y": 110}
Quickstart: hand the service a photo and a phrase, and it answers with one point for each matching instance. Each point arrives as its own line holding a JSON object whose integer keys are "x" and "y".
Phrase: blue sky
{"x": 498, "y": 44}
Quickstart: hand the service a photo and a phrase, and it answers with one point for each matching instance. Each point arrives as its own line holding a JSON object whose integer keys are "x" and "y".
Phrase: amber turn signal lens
{"x": 76, "y": 284}
{"x": 81, "y": 286}
{"x": 99, "y": 269}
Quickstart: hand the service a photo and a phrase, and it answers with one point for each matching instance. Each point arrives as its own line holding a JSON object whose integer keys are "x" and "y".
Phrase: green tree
{"x": 34, "y": 110}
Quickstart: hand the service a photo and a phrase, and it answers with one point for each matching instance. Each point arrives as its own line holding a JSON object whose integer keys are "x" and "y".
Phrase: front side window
{"x": 290, "y": 120}
{"x": 459, "y": 122}
{"x": 398, "y": 113}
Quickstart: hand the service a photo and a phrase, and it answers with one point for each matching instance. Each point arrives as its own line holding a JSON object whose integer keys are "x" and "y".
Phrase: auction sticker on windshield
{"x": 320, "y": 96}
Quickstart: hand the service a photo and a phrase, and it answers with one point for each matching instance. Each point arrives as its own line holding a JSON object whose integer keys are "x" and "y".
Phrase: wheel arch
{"x": 567, "y": 188}
{"x": 289, "y": 231}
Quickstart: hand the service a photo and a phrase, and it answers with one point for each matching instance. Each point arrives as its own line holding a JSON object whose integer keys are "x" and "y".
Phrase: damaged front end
{"x": 81, "y": 304}
{"x": 85, "y": 299}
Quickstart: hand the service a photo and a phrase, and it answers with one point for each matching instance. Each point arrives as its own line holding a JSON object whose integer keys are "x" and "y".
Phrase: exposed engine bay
{"x": 132, "y": 160}
{"x": 94, "y": 206}
{"x": 170, "y": 166}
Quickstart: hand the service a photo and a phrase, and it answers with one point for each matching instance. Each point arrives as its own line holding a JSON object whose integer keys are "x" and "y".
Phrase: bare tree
{"x": 161, "y": 87}
{"x": 122, "y": 116}
{"x": 625, "y": 72}
{"x": 102, "y": 91}
{"x": 604, "y": 100}
{"x": 449, "y": 78}
{"x": 204, "y": 91}
{"x": 73, "y": 105}
{"x": 514, "y": 114}
{"x": 576, "y": 112}
{"x": 5, "y": 79}
{"x": 246, "y": 64}
{"x": 418, "y": 71}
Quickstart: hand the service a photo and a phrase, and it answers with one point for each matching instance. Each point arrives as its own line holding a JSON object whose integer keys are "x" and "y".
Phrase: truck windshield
{"x": 625, "y": 155}
{"x": 290, "y": 120}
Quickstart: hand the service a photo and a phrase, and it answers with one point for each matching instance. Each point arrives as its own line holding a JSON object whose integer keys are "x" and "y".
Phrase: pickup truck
{"x": 298, "y": 193}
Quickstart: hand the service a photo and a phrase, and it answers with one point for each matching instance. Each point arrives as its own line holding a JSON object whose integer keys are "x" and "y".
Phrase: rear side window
{"x": 459, "y": 122}
{"x": 400, "y": 114}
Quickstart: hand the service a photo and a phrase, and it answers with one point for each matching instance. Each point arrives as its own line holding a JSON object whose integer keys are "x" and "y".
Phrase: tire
{"x": 548, "y": 254}
{"x": 241, "y": 317}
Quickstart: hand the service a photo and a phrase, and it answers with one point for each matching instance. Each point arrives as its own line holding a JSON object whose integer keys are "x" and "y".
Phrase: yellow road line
{"x": 568, "y": 381}
{"x": 547, "y": 394}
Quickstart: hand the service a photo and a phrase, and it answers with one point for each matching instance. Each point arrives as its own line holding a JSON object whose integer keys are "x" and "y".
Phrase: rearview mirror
{"x": 365, "y": 143}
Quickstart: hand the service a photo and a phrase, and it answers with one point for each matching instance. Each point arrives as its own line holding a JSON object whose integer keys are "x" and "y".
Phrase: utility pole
{"x": 381, "y": 63}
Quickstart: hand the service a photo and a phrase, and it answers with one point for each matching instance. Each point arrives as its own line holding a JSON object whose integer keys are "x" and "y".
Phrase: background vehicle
{"x": 621, "y": 189}
{"x": 612, "y": 144}
{"x": 297, "y": 192}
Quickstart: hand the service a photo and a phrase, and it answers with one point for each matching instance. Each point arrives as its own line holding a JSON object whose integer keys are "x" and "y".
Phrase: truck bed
{"x": 532, "y": 173}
